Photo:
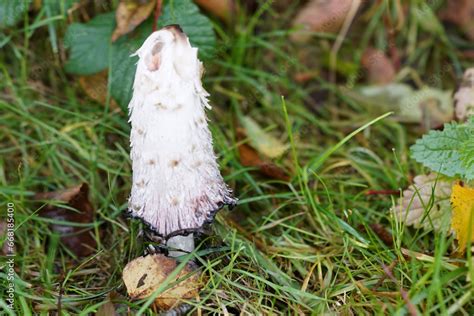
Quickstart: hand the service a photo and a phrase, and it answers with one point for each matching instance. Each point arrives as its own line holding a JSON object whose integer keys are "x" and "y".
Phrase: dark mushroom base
{"x": 154, "y": 234}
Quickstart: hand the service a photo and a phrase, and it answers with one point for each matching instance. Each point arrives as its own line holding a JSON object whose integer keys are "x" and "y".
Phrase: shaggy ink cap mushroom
{"x": 177, "y": 186}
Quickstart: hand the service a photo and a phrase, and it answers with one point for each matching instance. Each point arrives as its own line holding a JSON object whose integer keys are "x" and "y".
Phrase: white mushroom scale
{"x": 177, "y": 186}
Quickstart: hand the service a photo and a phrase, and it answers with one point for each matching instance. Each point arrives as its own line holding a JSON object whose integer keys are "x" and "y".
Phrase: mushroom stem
{"x": 181, "y": 245}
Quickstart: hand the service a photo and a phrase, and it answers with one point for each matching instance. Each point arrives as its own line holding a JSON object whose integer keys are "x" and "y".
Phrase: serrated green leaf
{"x": 89, "y": 44}
{"x": 123, "y": 65}
{"x": 11, "y": 11}
{"x": 197, "y": 26}
{"x": 447, "y": 151}
{"x": 467, "y": 157}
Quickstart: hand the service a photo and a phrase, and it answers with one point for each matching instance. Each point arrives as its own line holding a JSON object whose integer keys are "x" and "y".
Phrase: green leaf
{"x": 89, "y": 44}
{"x": 60, "y": 7}
{"x": 428, "y": 19}
{"x": 123, "y": 65}
{"x": 197, "y": 26}
{"x": 467, "y": 157}
{"x": 11, "y": 11}
{"x": 450, "y": 152}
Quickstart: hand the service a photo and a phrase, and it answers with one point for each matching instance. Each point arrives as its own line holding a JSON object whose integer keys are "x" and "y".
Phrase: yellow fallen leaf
{"x": 261, "y": 140}
{"x": 462, "y": 199}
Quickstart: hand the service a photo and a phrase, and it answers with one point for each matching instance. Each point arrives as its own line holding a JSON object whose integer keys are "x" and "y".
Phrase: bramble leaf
{"x": 89, "y": 45}
{"x": 450, "y": 152}
{"x": 467, "y": 158}
{"x": 12, "y": 11}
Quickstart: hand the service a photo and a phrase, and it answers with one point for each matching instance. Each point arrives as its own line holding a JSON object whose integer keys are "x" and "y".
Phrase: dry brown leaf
{"x": 129, "y": 15}
{"x": 379, "y": 67}
{"x": 320, "y": 16}
{"x": 382, "y": 233}
{"x": 464, "y": 97}
{"x": 78, "y": 239}
{"x": 462, "y": 222}
{"x": 144, "y": 275}
{"x": 416, "y": 199}
{"x": 106, "y": 309}
{"x": 249, "y": 158}
{"x": 223, "y": 9}
{"x": 95, "y": 86}
{"x": 468, "y": 54}
{"x": 460, "y": 13}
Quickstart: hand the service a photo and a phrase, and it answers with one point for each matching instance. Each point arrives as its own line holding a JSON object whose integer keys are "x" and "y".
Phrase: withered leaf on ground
{"x": 320, "y": 16}
{"x": 108, "y": 308}
{"x": 261, "y": 140}
{"x": 78, "y": 239}
{"x": 460, "y": 13}
{"x": 429, "y": 107}
{"x": 380, "y": 69}
{"x": 223, "y": 9}
{"x": 413, "y": 206}
{"x": 129, "y": 15}
{"x": 95, "y": 86}
{"x": 464, "y": 97}
{"x": 250, "y": 158}
{"x": 144, "y": 275}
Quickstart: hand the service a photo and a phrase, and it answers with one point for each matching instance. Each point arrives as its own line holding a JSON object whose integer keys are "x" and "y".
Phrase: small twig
{"x": 308, "y": 276}
{"x": 157, "y": 15}
{"x": 60, "y": 296}
{"x": 384, "y": 277}
{"x": 411, "y": 308}
{"x": 340, "y": 38}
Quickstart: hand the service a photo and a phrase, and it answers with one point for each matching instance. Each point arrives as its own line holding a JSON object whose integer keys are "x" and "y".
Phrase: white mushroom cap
{"x": 177, "y": 186}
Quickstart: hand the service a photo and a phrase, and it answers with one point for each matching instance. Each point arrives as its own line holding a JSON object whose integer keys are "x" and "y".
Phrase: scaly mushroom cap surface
{"x": 177, "y": 186}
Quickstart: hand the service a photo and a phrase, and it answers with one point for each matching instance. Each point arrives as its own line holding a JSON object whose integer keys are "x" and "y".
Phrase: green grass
{"x": 302, "y": 247}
